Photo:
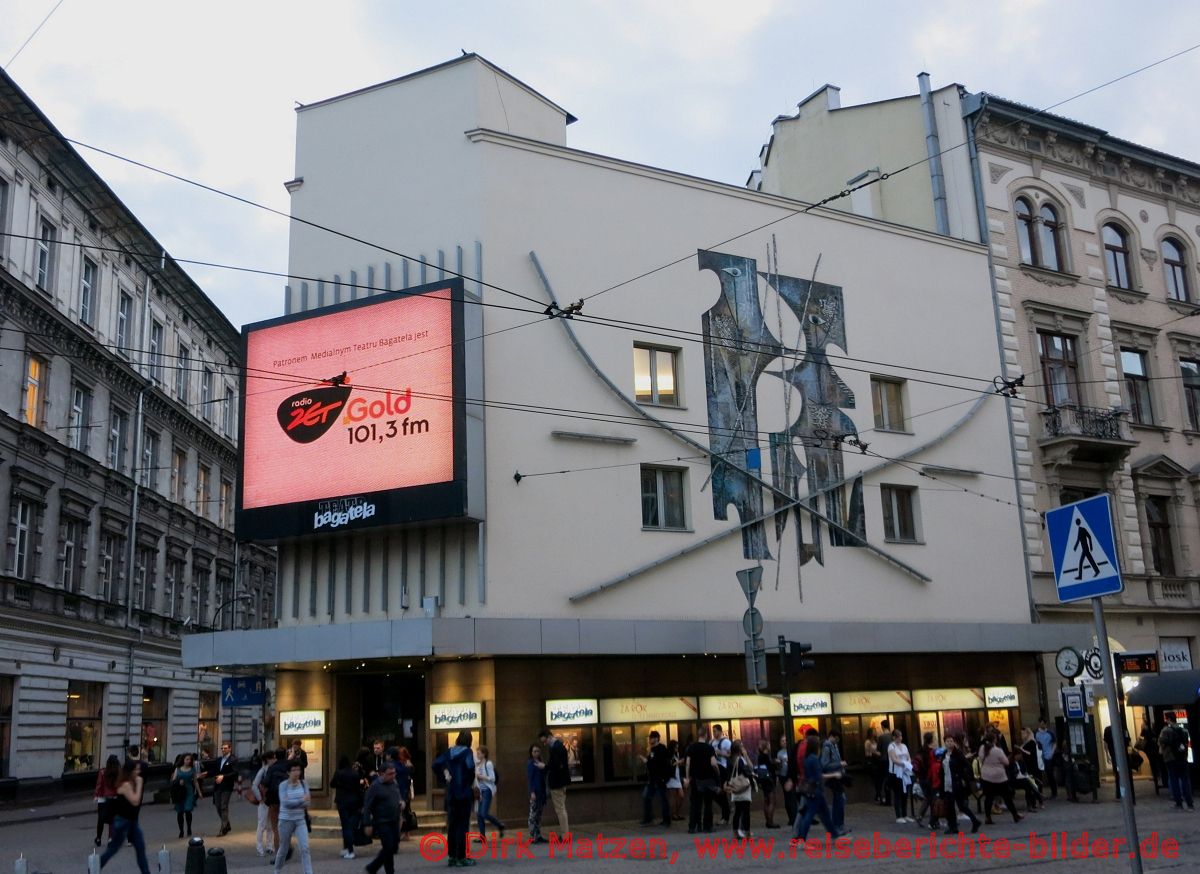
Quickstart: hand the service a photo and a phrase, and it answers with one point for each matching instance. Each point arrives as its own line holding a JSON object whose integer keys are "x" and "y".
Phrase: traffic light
{"x": 795, "y": 660}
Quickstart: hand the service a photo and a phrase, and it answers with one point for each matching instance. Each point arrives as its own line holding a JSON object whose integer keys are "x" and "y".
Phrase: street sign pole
{"x": 789, "y": 727}
{"x": 1083, "y": 541}
{"x": 1118, "y": 735}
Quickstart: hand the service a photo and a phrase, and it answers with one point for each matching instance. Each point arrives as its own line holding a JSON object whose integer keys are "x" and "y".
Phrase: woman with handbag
{"x": 740, "y": 788}
{"x": 185, "y": 791}
{"x": 993, "y": 777}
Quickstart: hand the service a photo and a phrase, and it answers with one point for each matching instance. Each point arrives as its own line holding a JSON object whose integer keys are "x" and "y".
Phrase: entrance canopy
{"x": 1173, "y": 687}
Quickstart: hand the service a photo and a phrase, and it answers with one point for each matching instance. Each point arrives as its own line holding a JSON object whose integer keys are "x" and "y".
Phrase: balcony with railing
{"x": 1073, "y": 434}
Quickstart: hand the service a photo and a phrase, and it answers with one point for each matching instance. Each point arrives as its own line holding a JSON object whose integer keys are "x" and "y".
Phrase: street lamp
{"x": 226, "y": 603}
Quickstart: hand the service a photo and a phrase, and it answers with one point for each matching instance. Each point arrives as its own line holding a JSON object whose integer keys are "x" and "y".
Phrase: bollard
{"x": 194, "y": 863}
{"x": 20, "y": 866}
{"x": 164, "y": 861}
{"x": 93, "y": 863}
{"x": 214, "y": 862}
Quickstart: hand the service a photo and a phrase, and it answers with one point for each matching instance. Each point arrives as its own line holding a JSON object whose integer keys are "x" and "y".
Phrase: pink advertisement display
{"x": 352, "y": 402}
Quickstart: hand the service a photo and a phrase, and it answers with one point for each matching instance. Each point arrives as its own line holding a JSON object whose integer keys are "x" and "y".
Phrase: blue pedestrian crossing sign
{"x": 1084, "y": 550}
{"x": 243, "y": 691}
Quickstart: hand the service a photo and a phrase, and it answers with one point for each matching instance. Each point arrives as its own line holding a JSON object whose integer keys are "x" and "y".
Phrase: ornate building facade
{"x": 117, "y": 460}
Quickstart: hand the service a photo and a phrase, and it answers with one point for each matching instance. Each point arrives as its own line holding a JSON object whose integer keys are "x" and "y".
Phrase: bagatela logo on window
{"x": 303, "y": 722}
{"x": 572, "y": 711}
{"x": 342, "y": 511}
{"x": 467, "y": 714}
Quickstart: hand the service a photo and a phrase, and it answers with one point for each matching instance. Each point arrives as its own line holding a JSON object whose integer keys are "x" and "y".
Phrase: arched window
{"x": 1116, "y": 256}
{"x": 1175, "y": 270}
{"x": 1050, "y": 238}
{"x": 1039, "y": 235}
{"x": 1025, "y": 230}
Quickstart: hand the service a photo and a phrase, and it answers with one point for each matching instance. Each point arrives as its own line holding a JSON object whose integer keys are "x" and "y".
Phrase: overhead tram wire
{"x": 846, "y": 192}
{"x": 682, "y": 334}
{"x": 316, "y": 225}
{"x": 809, "y": 207}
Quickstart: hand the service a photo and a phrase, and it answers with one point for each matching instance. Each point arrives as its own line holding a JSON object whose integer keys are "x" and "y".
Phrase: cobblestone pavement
{"x": 61, "y": 844}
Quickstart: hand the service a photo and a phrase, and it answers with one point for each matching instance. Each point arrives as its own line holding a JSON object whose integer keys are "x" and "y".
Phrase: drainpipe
{"x": 933, "y": 149}
{"x": 975, "y": 107}
{"x": 133, "y": 509}
{"x": 129, "y": 690}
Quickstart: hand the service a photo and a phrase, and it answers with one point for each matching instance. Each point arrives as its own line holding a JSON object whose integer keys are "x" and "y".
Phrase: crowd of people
{"x": 930, "y": 786}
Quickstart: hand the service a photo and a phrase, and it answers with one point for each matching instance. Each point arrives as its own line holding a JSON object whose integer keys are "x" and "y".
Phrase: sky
{"x": 208, "y": 91}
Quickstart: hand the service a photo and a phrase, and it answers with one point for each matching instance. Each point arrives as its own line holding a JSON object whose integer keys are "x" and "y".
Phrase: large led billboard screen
{"x": 353, "y": 416}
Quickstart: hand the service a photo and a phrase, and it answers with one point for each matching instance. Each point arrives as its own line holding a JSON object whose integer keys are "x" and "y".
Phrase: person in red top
{"x": 922, "y": 763}
{"x": 106, "y": 791}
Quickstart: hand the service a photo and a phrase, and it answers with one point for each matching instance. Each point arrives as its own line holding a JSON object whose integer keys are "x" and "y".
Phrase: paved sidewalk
{"x": 61, "y": 845}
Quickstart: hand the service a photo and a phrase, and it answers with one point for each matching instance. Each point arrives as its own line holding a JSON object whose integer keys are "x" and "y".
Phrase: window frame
{"x": 1036, "y": 231}
{"x": 1074, "y": 388}
{"x": 662, "y": 498}
{"x": 183, "y": 373}
{"x": 1138, "y": 394}
{"x": 118, "y": 438}
{"x": 124, "y": 321}
{"x": 33, "y": 389}
{"x": 655, "y": 398}
{"x": 889, "y": 494}
{"x": 880, "y": 409}
{"x": 23, "y": 530}
{"x": 44, "y": 255}
{"x": 206, "y": 394}
{"x": 1162, "y": 540}
{"x": 88, "y": 292}
{"x": 155, "y": 352}
{"x": 72, "y": 552}
{"x": 1191, "y": 392}
{"x": 79, "y": 424}
{"x": 1116, "y": 257}
{"x": 151, "y": 443}
{"x": 1175, "y": 270}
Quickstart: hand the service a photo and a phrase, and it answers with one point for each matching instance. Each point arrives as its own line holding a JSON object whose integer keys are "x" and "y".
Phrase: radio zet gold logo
{"x": 308, "y": 415}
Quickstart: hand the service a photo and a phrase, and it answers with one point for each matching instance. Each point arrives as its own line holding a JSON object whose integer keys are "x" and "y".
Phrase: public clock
{"x": 1069, "y": 662}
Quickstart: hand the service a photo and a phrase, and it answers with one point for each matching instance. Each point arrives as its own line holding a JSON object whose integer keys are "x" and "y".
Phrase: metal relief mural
{"x": 739, "y": 350}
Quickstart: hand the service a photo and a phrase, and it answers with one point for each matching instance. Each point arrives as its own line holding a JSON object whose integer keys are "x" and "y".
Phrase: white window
{"x": 72, "y": 553}
{"x": 900, "y": 513}
{"x": 118, "y": 431}
{"x": 206, "y": 394}
{"x": 112, "y": 566}
{"x": 80, "y": 427}
{"x": 887, "y": 397}
{"x": 33, "y": 396}
{"x": 21, "y": 527}
{"x": 203, "y": 498}
{"x": 178, "y": 476}
{"x": 156, "y": 348}
{"x": 226, "y": 509}
{"x": 124, "y": 321}
{"x": 87, "y": 292}
{"x": 183, "y": 375}
{"x": 654, "y": 375}
{"x": 47, "y": 235}
{"x": 149, "y": 472}
{"x": 662, "y": 498}
{"x": 3, "y": 226}
{"x": 227, "y": 411}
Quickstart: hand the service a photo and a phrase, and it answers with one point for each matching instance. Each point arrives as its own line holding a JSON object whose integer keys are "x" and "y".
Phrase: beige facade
{"x": 1093, "y": 253}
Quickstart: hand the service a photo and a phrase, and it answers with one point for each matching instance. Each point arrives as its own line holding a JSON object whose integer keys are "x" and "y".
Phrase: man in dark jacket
{"x": 277, "y": 775}
{"x": 658, "y": 772}
{"x": 381, "y": 814}
{"x": 558, "y": 775}
{"x": 956, "y": 786}
{"x": 225, "y": 779}
{"x": 457, "y": 767}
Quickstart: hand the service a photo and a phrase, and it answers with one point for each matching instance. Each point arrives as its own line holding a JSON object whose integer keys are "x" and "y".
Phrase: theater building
{"x": 543, "y": 405}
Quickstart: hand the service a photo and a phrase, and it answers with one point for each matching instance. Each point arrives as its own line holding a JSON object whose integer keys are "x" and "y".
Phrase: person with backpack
{"x": 486, "y": 780}
{"x": 457, "y": 767}
{"x": 1173, "y": 744}
{"x": 276, "y": 777}
{"x": 258, "y": 789}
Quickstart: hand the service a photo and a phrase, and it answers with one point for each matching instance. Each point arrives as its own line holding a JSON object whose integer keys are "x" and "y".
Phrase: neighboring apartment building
{"x": 772, "y": 401}
{"x": 1093, "y": 247}
{"x": 117, "y": 464}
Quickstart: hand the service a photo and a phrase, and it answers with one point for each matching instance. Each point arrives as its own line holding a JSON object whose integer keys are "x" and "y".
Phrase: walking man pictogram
{"x": 1083, "y": 543}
